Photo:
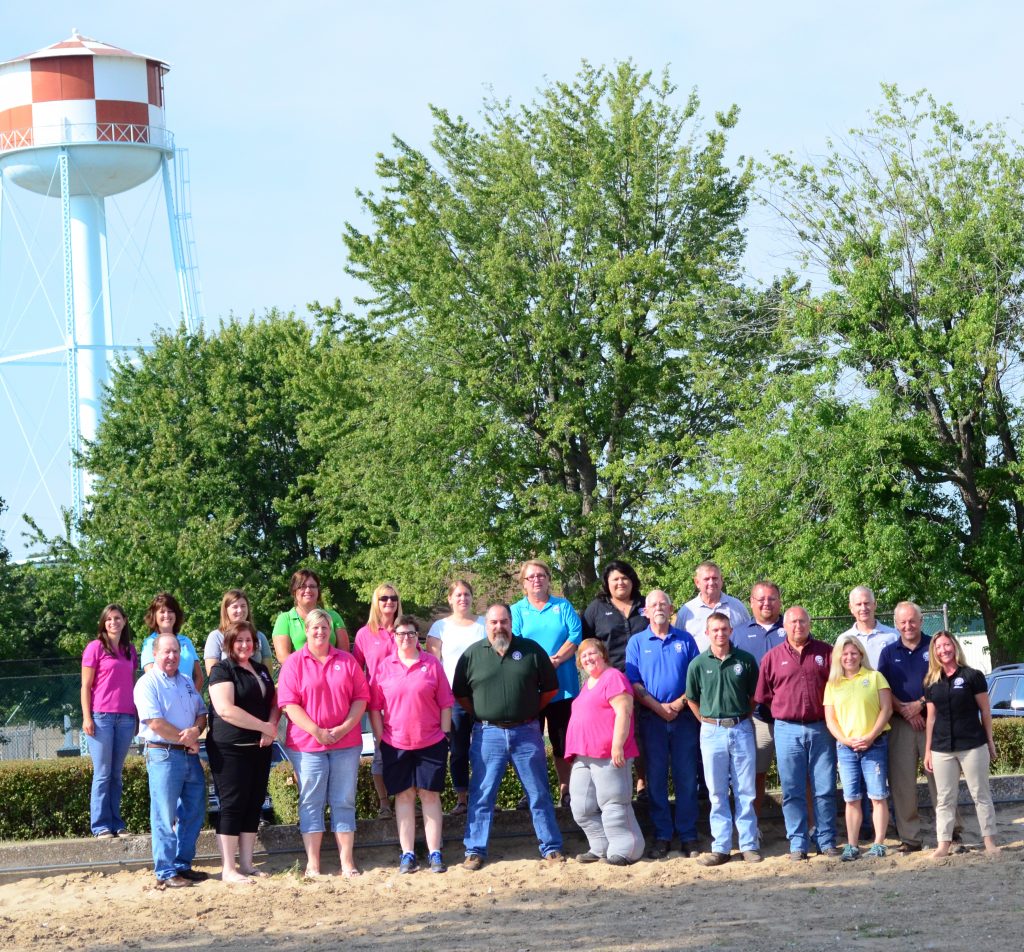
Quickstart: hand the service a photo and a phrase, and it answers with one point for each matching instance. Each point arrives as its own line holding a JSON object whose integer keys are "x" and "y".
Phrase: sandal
{"x": 458, "y": 810}
{"x": 350, "y": 873}
{"x": 385, "y": 812}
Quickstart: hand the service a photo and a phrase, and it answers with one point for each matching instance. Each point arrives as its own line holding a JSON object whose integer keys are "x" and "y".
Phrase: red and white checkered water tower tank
{"x": 105, "y": 102}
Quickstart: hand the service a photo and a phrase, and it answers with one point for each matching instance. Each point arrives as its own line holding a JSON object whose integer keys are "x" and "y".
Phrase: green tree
{"x": 553, "y": 332}
{"x": 916, "y": 221}
{"x": 196, "y": 460}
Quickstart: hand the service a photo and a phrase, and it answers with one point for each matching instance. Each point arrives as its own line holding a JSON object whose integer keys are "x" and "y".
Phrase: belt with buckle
{"x": 725, "y": 721}
{"x": 163, "y": 746}
{"x": 505, "y": 725}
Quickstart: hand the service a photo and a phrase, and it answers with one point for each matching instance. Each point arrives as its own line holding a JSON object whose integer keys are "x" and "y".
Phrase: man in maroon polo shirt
{"x": 792, "y": 680}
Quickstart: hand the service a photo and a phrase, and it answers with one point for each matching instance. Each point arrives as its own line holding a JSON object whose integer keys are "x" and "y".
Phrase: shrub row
{"x": 45, "y": 799}
{"x": 49, "y": 799}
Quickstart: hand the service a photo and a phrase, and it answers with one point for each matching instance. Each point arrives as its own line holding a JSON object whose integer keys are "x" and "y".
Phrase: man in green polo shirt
{"x": 720, "y": 686}
{"x": 504, "y": 683}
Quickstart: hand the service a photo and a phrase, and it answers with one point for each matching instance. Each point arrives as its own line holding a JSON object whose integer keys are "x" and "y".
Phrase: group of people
{"x": 708, "y": 693}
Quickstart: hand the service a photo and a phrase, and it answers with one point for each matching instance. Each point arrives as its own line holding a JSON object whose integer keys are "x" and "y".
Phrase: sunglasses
{"x": 387, "y": 598}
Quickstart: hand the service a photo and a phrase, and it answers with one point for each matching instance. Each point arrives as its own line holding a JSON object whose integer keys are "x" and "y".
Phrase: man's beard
{"x": 501, "y": 643}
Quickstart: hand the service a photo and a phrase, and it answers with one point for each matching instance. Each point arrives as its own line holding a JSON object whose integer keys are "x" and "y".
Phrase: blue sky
{"x": 283, "y": 112}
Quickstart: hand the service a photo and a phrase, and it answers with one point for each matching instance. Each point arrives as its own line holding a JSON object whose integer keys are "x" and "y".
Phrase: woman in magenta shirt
{"x": 108, "y": 716}
{"x": 324, "y": 693}
{"x": 601, "y": 745}
{"x": 411, "y": 712}
{"x": 374, "y": 642}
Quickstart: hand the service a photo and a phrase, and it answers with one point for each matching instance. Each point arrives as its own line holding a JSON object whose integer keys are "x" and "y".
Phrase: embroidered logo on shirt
{"x": 820, "y": 660}
{"x": 557, "y": 609}
{"x": 958, "y": 683}
{"x": 337, "y": 667}
{"x": 866, "y": 682}
{"x": 517, "y": 656}
{"x": 679, "y": 647}
{"x": 737, "y": 669}
{"x": 423, "y": 668}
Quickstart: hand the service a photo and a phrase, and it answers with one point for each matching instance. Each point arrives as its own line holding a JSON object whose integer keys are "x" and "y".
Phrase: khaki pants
{"x": 947, "y": 767}
{"x": 906, "y": 750}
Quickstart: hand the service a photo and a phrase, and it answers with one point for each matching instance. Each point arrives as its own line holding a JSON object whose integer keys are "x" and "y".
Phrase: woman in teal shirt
{"x": 553, "y": 623}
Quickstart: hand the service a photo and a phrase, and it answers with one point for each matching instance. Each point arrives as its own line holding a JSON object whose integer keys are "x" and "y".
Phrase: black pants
{"x": 240, "y": 774}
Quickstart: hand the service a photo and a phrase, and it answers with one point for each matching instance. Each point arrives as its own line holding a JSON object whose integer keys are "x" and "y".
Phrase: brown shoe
{"x": 751, "y": 856}
{"x": 798, "y": 856}
{"x": 907, "y": 848}
{"x": 174, "y": 882}
{"x": 473, "y": 862}
{"x": 713, "y": 859}
{"x": 553, "y": 859}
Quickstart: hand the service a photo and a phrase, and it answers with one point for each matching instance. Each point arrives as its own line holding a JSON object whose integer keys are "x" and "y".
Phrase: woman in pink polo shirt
{"x": 374, "y": 642}
{"x": 601, "y": 745}
{"x": 108, "y": 716}
{"x": 411, "y": 712}
{"x": 324, "y": 693}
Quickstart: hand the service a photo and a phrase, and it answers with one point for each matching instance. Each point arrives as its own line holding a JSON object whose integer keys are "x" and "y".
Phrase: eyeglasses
{"x": 407, "y": 634}
{"x": 308, "y": 587}
{"x": 387, "y": 598}
{"x": 533, "y": 578}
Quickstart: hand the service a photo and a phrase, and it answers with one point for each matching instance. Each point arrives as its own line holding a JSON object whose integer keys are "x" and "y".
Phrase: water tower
{"x": 81, "y": 121}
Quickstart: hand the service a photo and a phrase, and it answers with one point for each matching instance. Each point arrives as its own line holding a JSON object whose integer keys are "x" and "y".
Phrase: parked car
{"x": 1006, "y": 690}
{"x": 277, "y": 755}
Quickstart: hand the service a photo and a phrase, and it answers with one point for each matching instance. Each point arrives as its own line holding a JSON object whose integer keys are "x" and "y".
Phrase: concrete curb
{"x": 31, "y": 856}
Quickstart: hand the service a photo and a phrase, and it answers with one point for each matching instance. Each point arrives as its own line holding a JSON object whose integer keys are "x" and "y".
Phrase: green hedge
{"x": 45, "y": 799}
{"x": 285, "y": 795}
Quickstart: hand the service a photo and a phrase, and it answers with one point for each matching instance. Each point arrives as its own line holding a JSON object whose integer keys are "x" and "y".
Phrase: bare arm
{"x": 282, "y": 647}
{"x": 446, "y": 719}
{"x": 341, "y": 636}
{"x": 434, "y": 646}
{"x": 376, "y": 725}
{"x": 622, "y": 704}
{"x": 223, "y": 697}
{"x": 197, "y": 676}
{"x": 929, "y": 727}
{"x": 986, "y": 721}
{"x": 665, "y": 711}
{"x": 466, "y": 704}
{"x": 88, "y": 680}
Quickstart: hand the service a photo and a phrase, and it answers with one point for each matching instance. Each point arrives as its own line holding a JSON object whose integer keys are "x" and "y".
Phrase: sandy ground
{"x": 964, "y": 903}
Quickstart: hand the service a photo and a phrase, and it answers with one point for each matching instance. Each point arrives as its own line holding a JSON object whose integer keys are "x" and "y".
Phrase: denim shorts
{"x": 864, "y": 770}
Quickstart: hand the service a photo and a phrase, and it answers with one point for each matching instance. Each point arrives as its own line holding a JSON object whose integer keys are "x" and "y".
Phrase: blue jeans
{"x": 866, "y": 773}
{"x": 730, "y": 755}
{"x": 177, "y": 808}
{"x": 491, "y": 750}
{"x": 462, "y": 734}
{"x": 108, "y": 747}
{"x": 807, "y": 751}
{"x": 327, "y": 777}
{"x": 672, "y": 744}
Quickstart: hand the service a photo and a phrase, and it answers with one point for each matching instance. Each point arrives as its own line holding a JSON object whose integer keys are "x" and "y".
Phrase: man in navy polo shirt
{"x": 904, "y": 663}
{"x": 656, "y": 664}
{"x": 758, "y": 636}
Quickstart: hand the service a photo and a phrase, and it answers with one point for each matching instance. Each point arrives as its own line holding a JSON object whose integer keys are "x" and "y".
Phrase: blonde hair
{"x": 934, "y": 665}
{"x": 599, "y": 646}
{"x": 539, "y": 563}
{"x": 319, "y": 614}
{"x": 376, "y": 620}
{"x": 835, "y": 672}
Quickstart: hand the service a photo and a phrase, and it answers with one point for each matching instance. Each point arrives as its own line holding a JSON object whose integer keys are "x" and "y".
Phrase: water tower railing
{"x": 121, "y": 133}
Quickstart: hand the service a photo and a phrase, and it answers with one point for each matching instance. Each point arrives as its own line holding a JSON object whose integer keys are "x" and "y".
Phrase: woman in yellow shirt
{"x": 858, "y": 705}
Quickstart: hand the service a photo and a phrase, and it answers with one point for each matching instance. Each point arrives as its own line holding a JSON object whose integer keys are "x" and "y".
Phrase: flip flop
{"x": 350, "y": 873}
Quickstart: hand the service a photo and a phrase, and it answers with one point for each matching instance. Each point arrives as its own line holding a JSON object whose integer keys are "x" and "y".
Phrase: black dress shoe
{"x": 658, "y": 849}
{"x": 193, "y": 875}
{"x": 690, "y": 849}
